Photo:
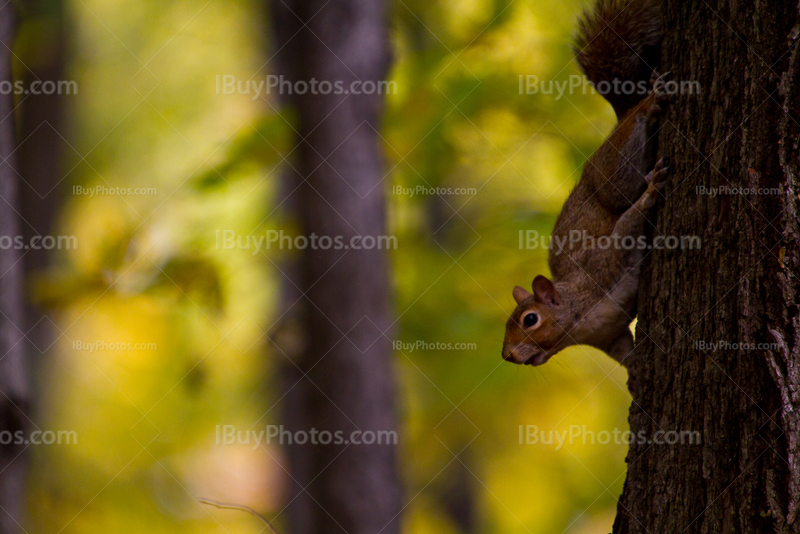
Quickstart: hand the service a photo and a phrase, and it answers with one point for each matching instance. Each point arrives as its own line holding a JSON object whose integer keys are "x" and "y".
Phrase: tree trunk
{"x": 348, "y": 384}
{"x": 42, "y": 136}
{"x": 741, "y": 288}
{"x": 13, "y": 381}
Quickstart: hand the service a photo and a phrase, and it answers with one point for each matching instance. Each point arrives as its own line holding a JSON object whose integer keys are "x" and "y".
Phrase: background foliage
{"x": 148, "y": 270}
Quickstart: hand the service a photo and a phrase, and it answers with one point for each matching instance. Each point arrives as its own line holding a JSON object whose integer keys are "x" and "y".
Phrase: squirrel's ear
{"x": 545, "y": 291}
{"x": 520, "y": 294}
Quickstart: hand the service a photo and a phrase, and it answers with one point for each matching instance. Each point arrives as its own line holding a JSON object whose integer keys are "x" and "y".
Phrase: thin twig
{"x": 229, "y": 506}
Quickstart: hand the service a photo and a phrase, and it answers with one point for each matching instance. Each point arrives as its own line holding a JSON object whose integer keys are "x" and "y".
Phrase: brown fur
{"x": 619, "y": 40}
{"x": 595, "y": 288}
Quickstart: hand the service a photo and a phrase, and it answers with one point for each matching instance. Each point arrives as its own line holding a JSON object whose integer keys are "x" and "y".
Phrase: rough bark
{"x": 13, "y": 382}
{"x": 741, "y": 287}
{"x": 345, "y": 378}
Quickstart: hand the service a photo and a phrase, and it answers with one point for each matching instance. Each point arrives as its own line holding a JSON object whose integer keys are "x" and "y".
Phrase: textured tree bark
{"x": 741, "y": 131}
{"x": 347, "y": 384}
{"x": 13, "y": 381}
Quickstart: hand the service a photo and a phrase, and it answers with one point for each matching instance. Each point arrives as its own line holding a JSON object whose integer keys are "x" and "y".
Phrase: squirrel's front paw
{"x": 659, "y": 173}
{"x": 656, "y": 180}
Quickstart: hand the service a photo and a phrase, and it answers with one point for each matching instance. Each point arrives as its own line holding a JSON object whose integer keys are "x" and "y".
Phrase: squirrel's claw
{"x": 656, "y": 180}
{"x": 659, "y": 172}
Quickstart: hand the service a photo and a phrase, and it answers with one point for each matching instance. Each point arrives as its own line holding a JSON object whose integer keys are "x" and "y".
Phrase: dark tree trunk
{"x": 345, "y": 375}
{"x": 742, "y": 287}
{"x": 13, "y": 380}
{"x": 42, "y": 137}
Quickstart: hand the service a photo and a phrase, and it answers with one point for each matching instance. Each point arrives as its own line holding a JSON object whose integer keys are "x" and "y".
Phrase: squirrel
{"x": 592, "y": 297}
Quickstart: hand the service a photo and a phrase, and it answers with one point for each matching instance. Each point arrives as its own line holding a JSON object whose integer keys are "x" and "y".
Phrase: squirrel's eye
{"x": 530, "y": 320}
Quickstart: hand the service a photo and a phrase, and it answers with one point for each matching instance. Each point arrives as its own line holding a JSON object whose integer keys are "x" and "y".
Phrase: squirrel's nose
{"x": 508, "y": 354}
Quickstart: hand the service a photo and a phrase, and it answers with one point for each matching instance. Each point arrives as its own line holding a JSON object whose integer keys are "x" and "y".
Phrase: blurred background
{"x": 151, "y": 336}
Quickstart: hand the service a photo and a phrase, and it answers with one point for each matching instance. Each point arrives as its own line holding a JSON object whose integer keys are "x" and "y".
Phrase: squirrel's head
{"x": 533, "y": 333}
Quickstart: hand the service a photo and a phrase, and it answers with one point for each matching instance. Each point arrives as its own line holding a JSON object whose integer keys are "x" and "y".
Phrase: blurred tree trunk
{"x": 13, "y": 381}
{"x": 344, "y": 372}
{"x": 742, "y": 287}
{"x": 41, "y": 134}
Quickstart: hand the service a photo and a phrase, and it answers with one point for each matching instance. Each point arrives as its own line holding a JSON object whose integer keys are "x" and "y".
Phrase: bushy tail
{"x": 619, "y": 41}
